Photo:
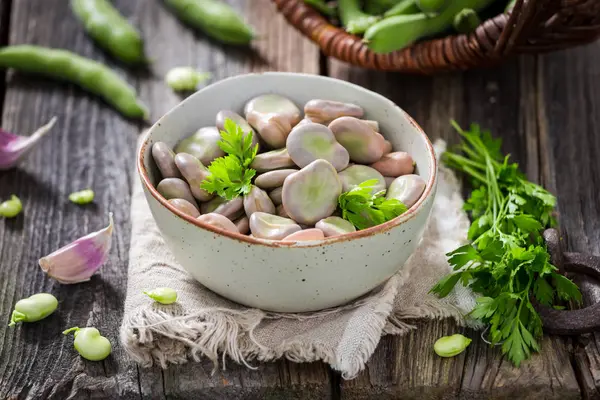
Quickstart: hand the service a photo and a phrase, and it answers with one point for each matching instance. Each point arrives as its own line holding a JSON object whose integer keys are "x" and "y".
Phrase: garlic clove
{"x": 13, "y": 148}
{"x": 78, "y": 261}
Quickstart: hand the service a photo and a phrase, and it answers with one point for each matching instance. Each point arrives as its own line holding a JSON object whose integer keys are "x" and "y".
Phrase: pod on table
{"x": 353, "y": 18}
{"x": 70, "y": 67}
{"x": 215, "y": 18}
{"x": 33, "y": 308}
{"x": 110, "y": 30}
{"x": 399, "y": 31}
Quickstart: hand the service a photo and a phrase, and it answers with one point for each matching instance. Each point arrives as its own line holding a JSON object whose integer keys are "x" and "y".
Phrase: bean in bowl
{"x": 277, "y": 176}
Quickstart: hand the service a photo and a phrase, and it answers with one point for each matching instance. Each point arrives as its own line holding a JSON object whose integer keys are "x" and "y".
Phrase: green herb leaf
{"x": 230, "y": 176}
{"x": 506, "y": 260}
{"x": 364, "y": 209}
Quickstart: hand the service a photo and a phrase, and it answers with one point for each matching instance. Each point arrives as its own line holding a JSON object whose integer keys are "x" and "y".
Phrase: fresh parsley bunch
{"x": 231, "y": 175}
{"x": 364, "y": 209}
{"x": 507, "y": 261}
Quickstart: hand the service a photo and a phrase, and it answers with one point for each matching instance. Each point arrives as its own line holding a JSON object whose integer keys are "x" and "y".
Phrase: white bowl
{"x": 285, "y": 277}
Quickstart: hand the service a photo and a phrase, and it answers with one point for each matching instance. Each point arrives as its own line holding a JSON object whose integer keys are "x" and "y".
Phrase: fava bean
{"x": 267, "y": 226}
{"x": 88, "y": 74}
{"x": 33, "y": 308}
{"x": 11, "y": 208}
{"x": 215, "y": 18}
{"x": 182, "y": 79}
{"x": 272, "y": 160}
{"x": 273, "y": 179}
{"x": 325, "y": 111}
{"x": 243, "y": 224}
{"x": 311, "y": 142}
{"x": 305, "y": 235}
{"x": 232, "y": 209}
{"x": 258, "y": 200}
{"x": 164, "y": 158}
{"x": 407, "y": 189}
{"x": 194, "y": 173}
{"x": 162, "y": 295}
{"x": 203, "y": 144}
{"x": 175, "y": 188}
{"x": 275, "y": 195}
{"x": 185, "y": 207}
{"x": 90, "y": 344}
{"x": 110, "y": 29}
{"x": 353, "y": 18}
{"x": 85, "y": 196}
{"x": 450, "y": 346}
{"x": 395, "y": 164}
{"x": 219, "y": 221}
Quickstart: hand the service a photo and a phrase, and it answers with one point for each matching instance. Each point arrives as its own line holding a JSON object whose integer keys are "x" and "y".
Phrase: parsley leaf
{"x": 506, "y": 261}
{"x": 364, "y": 209}
{"x": 230, "y": 176}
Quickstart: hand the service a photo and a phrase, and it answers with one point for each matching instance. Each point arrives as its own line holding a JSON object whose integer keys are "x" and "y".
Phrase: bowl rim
{"x": 386, "y": 226}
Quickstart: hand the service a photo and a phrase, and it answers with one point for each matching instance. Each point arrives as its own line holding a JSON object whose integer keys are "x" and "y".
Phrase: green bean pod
{"x": 353, "y": 18}
{"x": 378, "y": 7}
{"x": 402, "y": 8}
{"x": 397, "y": 32}
{"x": 67, "y": 66}
{"x": 215, "y": 18}
{"x": 110, "y": 30}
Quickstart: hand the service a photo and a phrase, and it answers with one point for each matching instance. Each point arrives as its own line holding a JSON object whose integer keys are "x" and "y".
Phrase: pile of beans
{"x": 295, "y": 192}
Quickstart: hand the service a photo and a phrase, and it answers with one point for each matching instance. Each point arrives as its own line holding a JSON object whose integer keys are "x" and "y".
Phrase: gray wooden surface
{"x": 544, "y": 107}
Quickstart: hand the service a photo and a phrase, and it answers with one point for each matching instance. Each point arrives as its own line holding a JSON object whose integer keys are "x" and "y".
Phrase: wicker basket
{"x": 533, "y": 26}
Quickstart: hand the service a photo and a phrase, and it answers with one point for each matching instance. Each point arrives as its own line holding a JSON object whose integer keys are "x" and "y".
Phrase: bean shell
{"x": 311, "y": 142}
{"x": 203, "y": 145}
{"x": 267, "y": 226}
{"x": 272, "y": 160}
{"x": 357, "y": 174}
{"x": 231, "y": 209}
{"x": 364, "y": 145}
{"x": 243, "y": 224}
{"x": 275, "y": 195}
{"x": 395, "y": 164}
{"x": 175, "y": 188}
{"x": 406, "y": 188}
{"x": 273, "y": 179}
{"x": 218, "y": 221}
{"x": 312, "y": 193}
{"x": 163, "y": 157}
{"x": 325, "y": 111}
{"x": 273, "y": 116}
{"x": 194, "y": 173}
{"x": 335, "y": 226}
{"x": 305, "y": 235}
{"x": 258, "y": 200}
{"x": 185, "y": 207}
{"x": 239, "y": 120}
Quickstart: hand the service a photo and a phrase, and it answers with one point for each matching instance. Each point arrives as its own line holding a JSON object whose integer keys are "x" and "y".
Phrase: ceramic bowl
{"x": 289, "y": 277}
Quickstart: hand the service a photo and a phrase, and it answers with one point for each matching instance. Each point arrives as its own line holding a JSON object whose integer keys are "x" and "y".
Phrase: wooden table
{"x": 546, "y": 108}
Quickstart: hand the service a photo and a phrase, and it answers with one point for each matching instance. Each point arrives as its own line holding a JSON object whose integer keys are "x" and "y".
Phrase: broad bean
{"x": 85, "y": 196}
{"x": 90, "y": 344}
{"x": 33, "y": 308}
{"x": 353, "y": 18}
{"x": 450, "y": 346}
{"x": 162, "y": 295}
{"x": 11, "y": 208}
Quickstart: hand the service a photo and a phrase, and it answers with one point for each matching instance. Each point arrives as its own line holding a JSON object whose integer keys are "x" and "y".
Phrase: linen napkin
{"x": 202, "y": 323}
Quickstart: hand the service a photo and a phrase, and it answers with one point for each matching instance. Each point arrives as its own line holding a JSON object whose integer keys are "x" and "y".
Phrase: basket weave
{"x": 533, "y": 26}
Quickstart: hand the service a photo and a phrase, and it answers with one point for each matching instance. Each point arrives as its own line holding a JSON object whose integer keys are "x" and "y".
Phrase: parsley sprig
{"x": 365, "y": 209}
{"x": 230, "y": 176}
{"x": 506, "y": 261}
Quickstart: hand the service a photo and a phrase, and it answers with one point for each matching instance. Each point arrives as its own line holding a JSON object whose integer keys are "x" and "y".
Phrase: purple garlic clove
{"x": 311, "y": 142}
{"x": 194, "y": 173}
{"x": 406, "y": 188}
{"x": 364, "y": 145}
{"x": 312, "y": 193}
{"x": 268, "y": 226}
{"x": 78, "y": 261}
{"x": 357, "y": 174}
{"x": 203, "y": 145}
{"x": 14, "y": 148}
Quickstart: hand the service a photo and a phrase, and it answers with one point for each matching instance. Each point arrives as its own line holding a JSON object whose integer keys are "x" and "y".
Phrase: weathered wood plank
{"x": 91, "y": 146}
{"x": 501, "y": 100}
{"x": 569, "y": 102}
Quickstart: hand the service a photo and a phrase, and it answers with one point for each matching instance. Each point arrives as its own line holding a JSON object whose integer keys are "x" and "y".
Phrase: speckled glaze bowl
{"x": 289, "y": 277}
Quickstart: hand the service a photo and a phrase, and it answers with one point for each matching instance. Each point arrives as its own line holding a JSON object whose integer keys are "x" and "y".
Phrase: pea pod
{"x": 67, "y": 66}
{"x": 378, "y": 7}
{"x": 90, "y": 344}
{"x": 215, "y": 18}
{"x": 399, "y": 31}
{"x": 353, "y": 18}
{"x": 110, "y": 30}
{"x": 33, "y": 308}
{"x": 431, "y": 6}
{"x": 402, "y": 8}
